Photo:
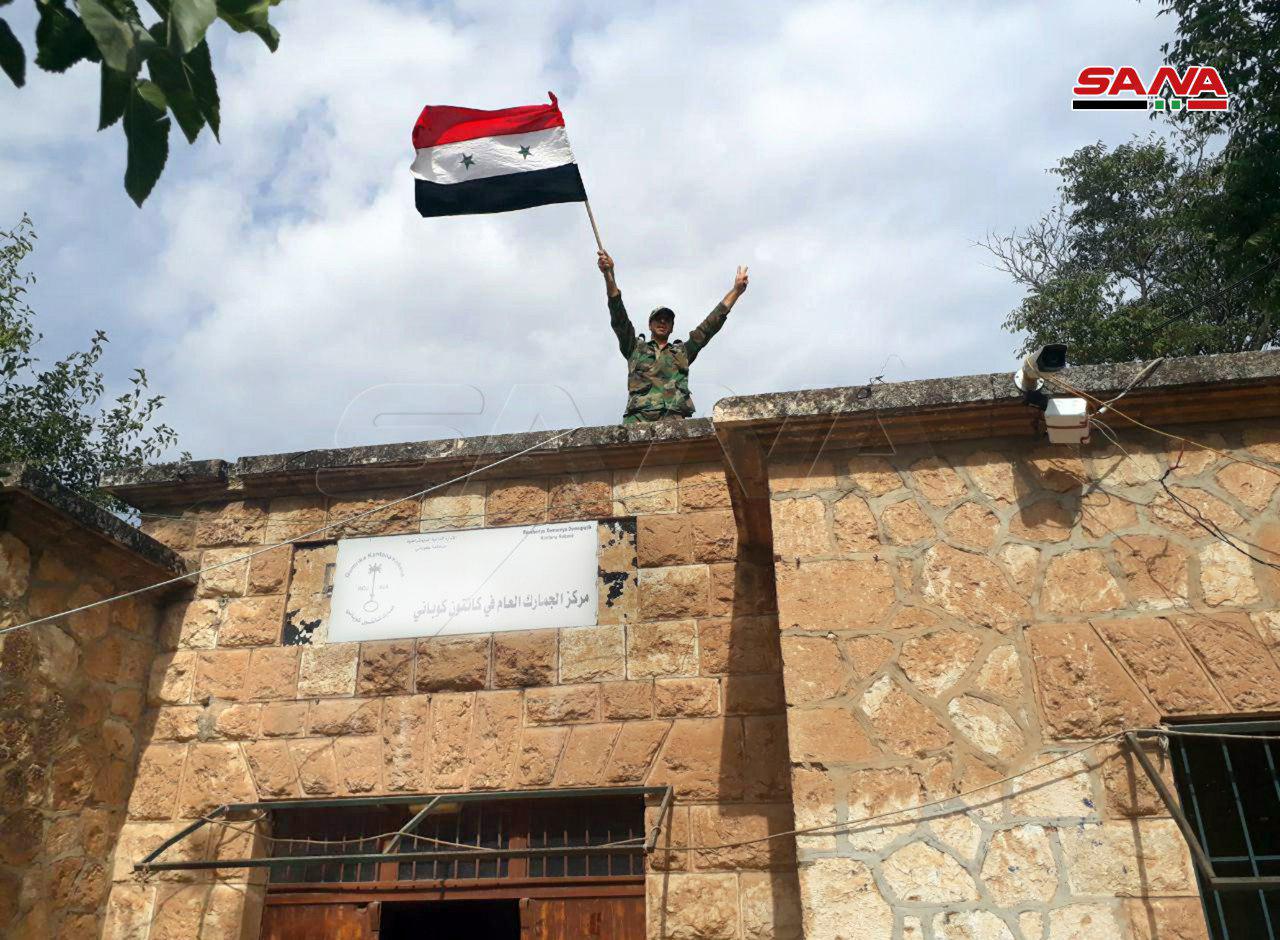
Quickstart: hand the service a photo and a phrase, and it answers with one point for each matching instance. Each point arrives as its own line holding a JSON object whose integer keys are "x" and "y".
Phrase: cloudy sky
{"x": 282, "y": 292}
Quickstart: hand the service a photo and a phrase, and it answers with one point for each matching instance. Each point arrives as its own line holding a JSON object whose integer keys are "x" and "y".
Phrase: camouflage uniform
{"x": 658, "y": 379}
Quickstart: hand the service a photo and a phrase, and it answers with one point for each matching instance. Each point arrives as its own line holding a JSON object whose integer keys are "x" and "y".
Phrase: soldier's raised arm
{"x": 618, "y": 318}
{"x": 715, "y": 319}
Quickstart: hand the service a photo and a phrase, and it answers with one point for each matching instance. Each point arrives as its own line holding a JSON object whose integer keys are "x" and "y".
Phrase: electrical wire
{"x": 356, "y": 840}
{"x": 863, "y": 391}
{"x": 297, "y": 538}
{"x": 1269, "y": 468}
{"x": 836, "y": 828}
{"x": 1110, "y": 435}
{"x": 1189, "y": 510}
{"x": 1195, "y": 515}
{"x": 476, "y": 850}
{"x": 833, "y": 828}
{"x": 1170, "y": 594}
{"x": 830, "y": 828}
{"x": 1137, "y": 380}
{"x": 827, "y": 829}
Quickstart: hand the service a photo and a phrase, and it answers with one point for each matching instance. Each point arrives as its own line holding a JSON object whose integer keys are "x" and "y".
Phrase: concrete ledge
{"x": 1228, "y": 369}
{"x": 1188, "y": 390}
{"x": 390, "y": 465}
{"x": 495, "y": 446}
{"x": 23, "y": 482}
{"x": 178, "y": 471}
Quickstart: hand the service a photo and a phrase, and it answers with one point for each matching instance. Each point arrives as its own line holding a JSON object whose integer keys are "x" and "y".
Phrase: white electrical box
{"x": 1067, "y": 420}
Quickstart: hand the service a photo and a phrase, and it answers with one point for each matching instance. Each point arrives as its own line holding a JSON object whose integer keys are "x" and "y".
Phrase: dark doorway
{"x": 447, "y": 920}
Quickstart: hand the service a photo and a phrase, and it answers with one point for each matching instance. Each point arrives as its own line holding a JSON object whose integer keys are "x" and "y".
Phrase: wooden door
{"x": 318, "y": 922}
{"x": 582, "y": 919}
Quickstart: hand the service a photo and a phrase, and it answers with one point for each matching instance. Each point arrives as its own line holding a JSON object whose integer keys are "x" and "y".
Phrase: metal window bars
{"x": 394, "y": 850}
{"x": 1201, "y": 857}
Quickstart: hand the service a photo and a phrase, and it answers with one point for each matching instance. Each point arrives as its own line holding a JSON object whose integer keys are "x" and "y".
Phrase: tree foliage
{"x": 1241, "y": 39}
{"x": 55, "y": 417}
{"x": 1168, "y": 245}
{"x": 1127, "y": 264}
{"x": 178, "y": 80}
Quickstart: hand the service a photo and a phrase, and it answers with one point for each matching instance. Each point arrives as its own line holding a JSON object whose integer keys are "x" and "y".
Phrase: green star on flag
{"x": 467, "y": 160}
{"x": 524, "y": 152}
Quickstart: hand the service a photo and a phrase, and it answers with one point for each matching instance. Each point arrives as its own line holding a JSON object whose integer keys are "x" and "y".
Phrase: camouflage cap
{"x": 662, "y": 313}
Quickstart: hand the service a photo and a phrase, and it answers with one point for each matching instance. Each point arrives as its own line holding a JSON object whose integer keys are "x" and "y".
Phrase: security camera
{"x": 1050, "y": 358}
{"x": 1066, "y": 418}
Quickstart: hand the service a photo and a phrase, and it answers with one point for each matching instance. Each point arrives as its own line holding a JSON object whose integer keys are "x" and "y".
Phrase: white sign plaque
{"x": 472, "y": 581}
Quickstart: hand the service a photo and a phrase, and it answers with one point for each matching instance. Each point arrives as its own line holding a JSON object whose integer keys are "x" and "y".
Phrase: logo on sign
{"x": 1106, "y": 88}
{"x": 373, "y": 580}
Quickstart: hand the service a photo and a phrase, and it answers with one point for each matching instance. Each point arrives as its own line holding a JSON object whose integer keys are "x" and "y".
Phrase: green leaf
{"x": 170, "y": 73}
{"x": 147, "y": 129}
{"x": 125, "y": 9}
{"x": 198, "y": 65}
{"x": 188, "y": 21}
{"x": 250, "y": 16}
{"x": 12, "y": 57}
{"x": 152, "y": 93}
{"x": 116, "y": 87}
{"x": 61, "y": 39}
{"x": 121, "y": 40}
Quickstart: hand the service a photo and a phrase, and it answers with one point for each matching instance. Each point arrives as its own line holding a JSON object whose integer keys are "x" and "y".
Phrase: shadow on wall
{"x": 72, "y": 692}
{"x": 751, "y": 787}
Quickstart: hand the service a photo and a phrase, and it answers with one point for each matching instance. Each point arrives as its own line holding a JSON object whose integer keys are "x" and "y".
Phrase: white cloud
{"x": 280, "y": 286}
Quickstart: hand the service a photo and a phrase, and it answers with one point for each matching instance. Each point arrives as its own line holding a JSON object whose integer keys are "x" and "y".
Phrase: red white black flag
{"x": 473, "y": 161}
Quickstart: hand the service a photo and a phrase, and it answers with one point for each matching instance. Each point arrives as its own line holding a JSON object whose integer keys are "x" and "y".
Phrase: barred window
{"x": 1230, "y": 793}
{"x": 531, "y": 830}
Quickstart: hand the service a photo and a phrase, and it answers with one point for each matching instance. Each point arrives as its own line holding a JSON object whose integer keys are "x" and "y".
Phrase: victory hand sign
{"x": 739, "y": 287}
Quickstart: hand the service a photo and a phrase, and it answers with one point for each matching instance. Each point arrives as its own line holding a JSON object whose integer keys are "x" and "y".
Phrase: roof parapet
{"x": 54, "y": 504}
{"x": 1185, "y": 390}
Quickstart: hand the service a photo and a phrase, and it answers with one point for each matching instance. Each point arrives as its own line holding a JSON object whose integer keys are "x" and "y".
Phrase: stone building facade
{"x": 816, "y": 609}
{"x": 72, "y": 700}
{"x": 998, "y": 609}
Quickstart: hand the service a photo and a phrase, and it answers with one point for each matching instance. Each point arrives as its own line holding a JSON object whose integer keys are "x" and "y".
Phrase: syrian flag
{"x": 473, "y": 161}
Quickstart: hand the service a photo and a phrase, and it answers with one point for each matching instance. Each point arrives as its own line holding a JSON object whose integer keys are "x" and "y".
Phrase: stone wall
{"x": 939, "y": 617}
{"x": 72, "y": 693}
{"x": 679, "y": 684}
{"x": 956, "y": 614}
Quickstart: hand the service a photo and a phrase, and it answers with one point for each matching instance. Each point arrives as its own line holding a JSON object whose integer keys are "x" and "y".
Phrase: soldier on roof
{"x": 658, "y": 369}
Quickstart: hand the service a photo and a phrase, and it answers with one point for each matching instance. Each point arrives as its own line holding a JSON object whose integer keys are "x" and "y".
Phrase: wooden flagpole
{"x": 595, "y": 230}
